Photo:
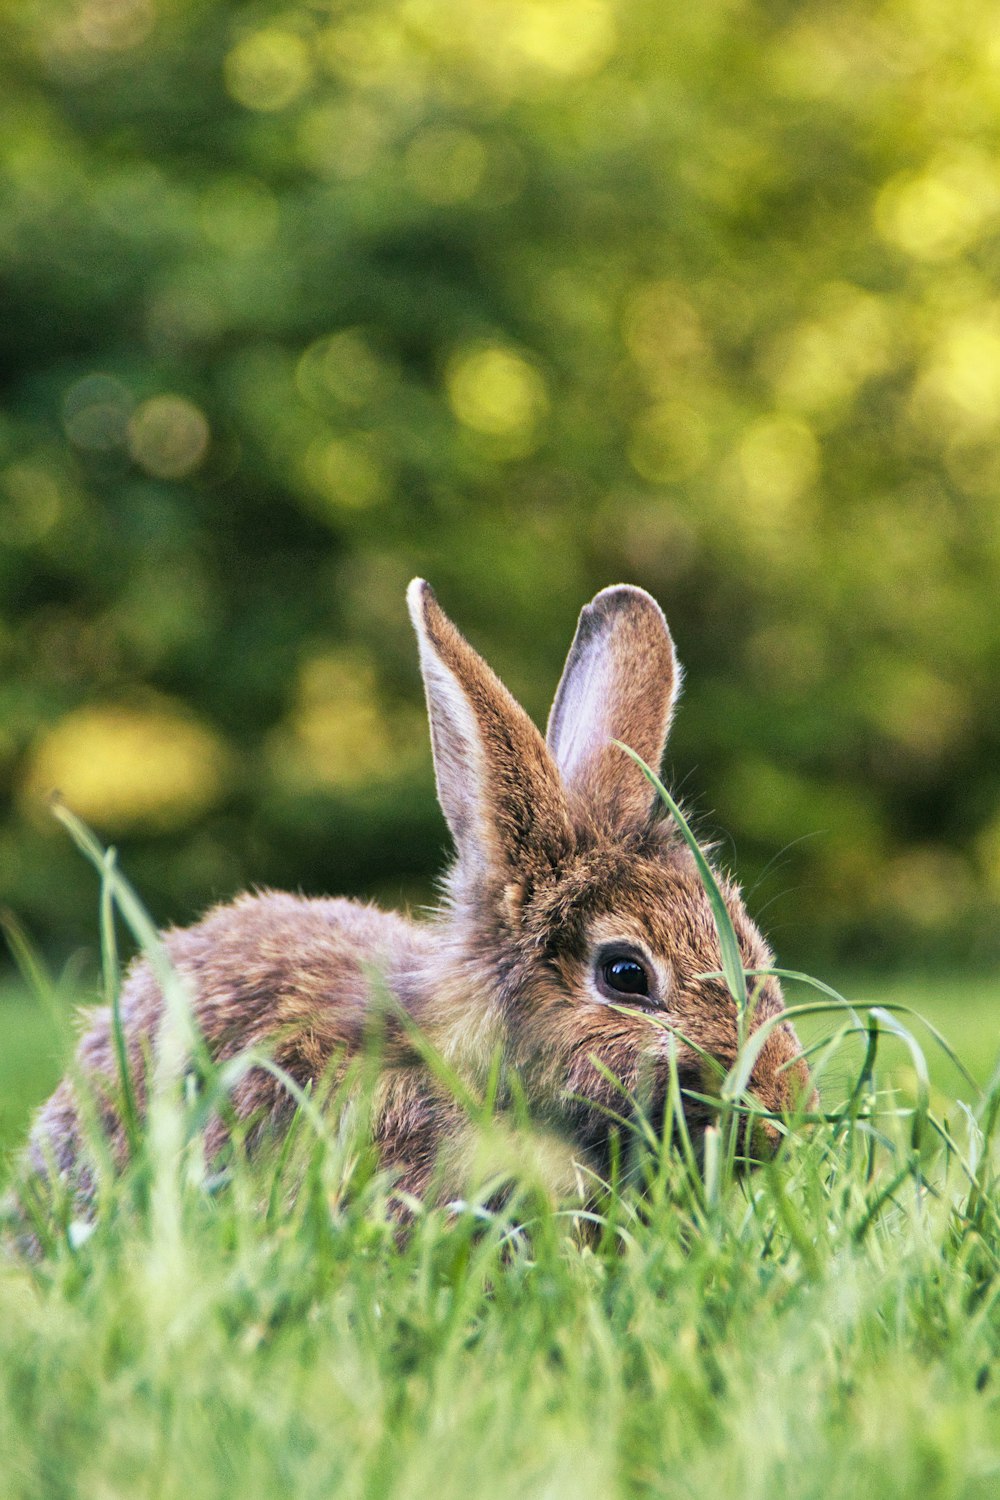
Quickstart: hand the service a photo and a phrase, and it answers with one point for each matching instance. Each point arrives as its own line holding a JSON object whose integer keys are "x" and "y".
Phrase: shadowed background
{"x": 527, "y": 296}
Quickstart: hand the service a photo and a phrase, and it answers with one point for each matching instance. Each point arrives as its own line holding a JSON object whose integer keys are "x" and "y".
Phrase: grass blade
{"x": 732, "y": 962}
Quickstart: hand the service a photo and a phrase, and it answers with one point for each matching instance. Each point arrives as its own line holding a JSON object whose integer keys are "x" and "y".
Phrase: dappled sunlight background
{"x": 528, "y": 296}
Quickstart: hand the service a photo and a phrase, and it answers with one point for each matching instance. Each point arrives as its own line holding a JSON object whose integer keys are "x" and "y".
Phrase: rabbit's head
{"x": 577, "y": 933}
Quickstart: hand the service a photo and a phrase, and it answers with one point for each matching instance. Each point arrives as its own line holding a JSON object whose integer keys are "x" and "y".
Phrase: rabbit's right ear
{"x": 620, "y": 682}
{"x": 497, "y": 784}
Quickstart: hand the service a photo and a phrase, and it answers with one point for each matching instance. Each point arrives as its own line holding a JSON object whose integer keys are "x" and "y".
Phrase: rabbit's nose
{"x": 781, "y": 1078}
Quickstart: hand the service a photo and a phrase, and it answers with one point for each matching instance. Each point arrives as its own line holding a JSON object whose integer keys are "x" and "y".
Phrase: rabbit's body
{"x": 573, "y": 945}
{"x": 290, "y": 976}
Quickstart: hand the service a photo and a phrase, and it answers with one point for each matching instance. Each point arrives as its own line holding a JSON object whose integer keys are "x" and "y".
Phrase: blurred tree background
{"x": 527, "y": 296}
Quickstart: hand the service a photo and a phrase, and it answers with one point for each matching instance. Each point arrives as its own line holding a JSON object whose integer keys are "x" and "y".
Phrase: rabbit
{"x": 573, "y": 940}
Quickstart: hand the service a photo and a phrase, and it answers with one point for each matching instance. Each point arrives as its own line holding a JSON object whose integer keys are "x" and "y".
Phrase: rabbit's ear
{"x": 620, "y": 682}
{"x": 497, "y": 783}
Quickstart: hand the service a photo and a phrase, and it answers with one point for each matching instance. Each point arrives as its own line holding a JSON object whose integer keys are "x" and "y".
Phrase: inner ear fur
{"x": 620, "y": 682}
{"x": 497, "y": 783}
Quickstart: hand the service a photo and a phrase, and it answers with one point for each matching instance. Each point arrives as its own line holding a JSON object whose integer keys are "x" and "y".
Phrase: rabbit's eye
{"x": 625, "y": 976}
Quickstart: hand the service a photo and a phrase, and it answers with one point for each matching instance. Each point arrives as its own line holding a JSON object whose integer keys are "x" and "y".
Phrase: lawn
{"x": 34, "y": 1043}
{"x": 827, "y": 1328}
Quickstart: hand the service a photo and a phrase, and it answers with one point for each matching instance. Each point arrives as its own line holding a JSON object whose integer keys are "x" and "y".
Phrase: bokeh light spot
{"x": 341, "y": 140}
{"x": 268, "y": 69}
{"x": 369, "y": 50}
{"x": 928, "y": 885}
{"x": 446, "y": 166}
{"x": 337, "y": 734}
{"x": 96, "y": 412}
{"x": 570, "y": 37}
{"x": 340, "y": 732}
{"x": 920, "y": 712}
{"x": 115, "y": 25}
{"x": 168, "y": 437}
{"x": 961, "y": 384}
{"x": 120, "y": 766}
{"x": 341, "y": 368}
{"x": 779, "y": 460}
{"x": 32, "y": 504}
{"x": 819, "y": 363}
{"x": 669, "y": 443}
{"x": 497, "y": 392}
{"x": 936, "y": 214}
{"x": 344, "y": 474}
{"x": 660, "y": 326}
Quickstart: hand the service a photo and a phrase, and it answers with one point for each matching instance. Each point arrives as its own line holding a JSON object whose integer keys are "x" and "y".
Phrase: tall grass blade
{"x": 111, "y": 977}
{"x": 732, "y": 962}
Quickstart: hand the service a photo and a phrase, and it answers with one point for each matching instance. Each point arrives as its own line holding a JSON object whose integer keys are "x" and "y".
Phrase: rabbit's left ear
{"x": 498, "y": 786}
{"x": 620, "y": 682}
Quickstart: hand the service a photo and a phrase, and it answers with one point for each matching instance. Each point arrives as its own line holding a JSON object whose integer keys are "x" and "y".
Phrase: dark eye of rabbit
{"x": 626, "y": 976}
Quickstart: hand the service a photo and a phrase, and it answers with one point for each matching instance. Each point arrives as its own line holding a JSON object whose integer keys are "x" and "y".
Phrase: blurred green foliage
{"x": 527, "y": 296}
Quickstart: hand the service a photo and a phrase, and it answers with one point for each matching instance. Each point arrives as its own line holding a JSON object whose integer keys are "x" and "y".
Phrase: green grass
{"x": 965, "y": 1009}
{"x": 35, "y": 1043}
{"x": 785, "y": 1336}
{"x": 824, "y": 1329}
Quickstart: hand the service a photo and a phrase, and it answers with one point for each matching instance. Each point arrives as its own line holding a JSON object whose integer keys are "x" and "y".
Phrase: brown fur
{"x": 558, "y": 851}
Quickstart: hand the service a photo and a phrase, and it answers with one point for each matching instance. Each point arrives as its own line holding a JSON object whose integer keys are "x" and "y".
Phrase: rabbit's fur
{"x": 563, "y": 861}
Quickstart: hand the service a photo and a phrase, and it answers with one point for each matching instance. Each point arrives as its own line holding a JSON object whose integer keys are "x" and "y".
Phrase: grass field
{"x": 825, "y": 1328}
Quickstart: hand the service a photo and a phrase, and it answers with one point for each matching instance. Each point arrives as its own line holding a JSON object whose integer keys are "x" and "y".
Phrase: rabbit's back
{"x": 269, "y": 963}
{"x": 291, "y": 976}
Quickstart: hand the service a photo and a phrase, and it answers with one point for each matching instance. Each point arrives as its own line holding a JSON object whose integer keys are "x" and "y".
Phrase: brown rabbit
{"x": 574, "y": 920}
